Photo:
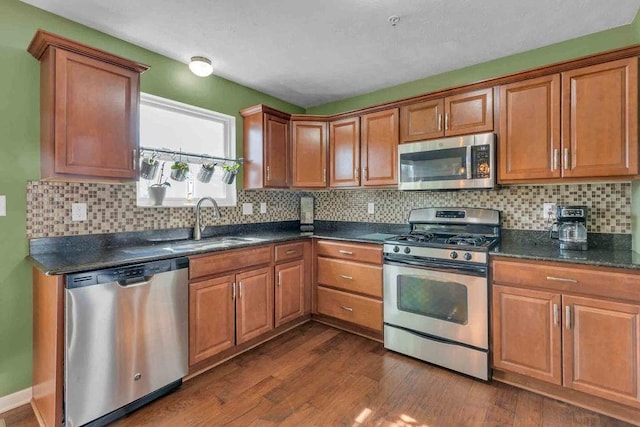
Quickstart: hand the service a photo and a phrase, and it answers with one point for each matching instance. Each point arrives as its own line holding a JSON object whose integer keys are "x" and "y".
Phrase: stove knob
{"x": 453, "y": 255}
{"x": 467, "y": 256}
{"x": 396, "y": 249}
{"x": 407, "y": 250}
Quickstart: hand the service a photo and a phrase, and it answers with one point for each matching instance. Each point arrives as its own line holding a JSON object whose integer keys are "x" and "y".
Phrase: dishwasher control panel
{"x": 127, "y": 274}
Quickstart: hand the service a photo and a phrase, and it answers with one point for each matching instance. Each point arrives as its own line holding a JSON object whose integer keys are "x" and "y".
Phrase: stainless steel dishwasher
{"x": 126, "y": 336}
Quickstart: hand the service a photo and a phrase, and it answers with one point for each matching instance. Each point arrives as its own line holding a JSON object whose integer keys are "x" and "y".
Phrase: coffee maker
{"x": 572, "y": 229}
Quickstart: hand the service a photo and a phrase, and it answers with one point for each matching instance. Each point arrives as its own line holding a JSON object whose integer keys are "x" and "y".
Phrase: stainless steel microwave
{"x": 459, "y": 163}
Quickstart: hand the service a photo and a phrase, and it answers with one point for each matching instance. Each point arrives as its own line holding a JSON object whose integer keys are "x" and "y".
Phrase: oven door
{"x": 445, "y": 303}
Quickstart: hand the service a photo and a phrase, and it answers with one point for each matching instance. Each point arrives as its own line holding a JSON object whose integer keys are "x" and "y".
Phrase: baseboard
{"x": 14, "y": 400}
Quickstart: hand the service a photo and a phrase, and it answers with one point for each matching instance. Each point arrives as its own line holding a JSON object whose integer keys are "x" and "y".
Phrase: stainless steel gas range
{"x": 436, "y": 288}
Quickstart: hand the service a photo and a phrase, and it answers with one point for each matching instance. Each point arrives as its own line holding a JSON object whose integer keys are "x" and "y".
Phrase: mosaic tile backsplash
{"x": 112, "y": 207}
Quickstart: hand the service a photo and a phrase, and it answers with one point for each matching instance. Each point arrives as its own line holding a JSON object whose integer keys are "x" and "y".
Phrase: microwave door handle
{"x": 469, "y": 162}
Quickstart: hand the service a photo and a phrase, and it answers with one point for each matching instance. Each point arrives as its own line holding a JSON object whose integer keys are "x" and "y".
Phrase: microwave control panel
{"x": 481, "y": 161}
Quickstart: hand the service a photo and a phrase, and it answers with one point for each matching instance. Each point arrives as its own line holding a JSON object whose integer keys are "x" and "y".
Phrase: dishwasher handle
{"x": 128, "y": 275}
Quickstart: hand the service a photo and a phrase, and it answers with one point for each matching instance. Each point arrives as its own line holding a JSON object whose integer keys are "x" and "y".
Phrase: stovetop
{"x": 464, "y": 241}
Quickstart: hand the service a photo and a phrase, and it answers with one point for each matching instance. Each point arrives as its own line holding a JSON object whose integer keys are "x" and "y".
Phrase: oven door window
{"x": 436, "y": 165}
{"x": 441, "y": 300}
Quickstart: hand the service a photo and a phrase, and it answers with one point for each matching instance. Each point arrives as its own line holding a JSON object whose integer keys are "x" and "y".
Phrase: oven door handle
{"x": 475, "y": 270}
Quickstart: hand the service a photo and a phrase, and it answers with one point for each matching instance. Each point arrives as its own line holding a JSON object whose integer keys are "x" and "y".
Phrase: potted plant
{"x": 158, "y": 190}
{"x": 230, "y": 172}
{"x": 206, "y": 172}
{"x": 149, "y": 167}
{"x": 179, "y": 170}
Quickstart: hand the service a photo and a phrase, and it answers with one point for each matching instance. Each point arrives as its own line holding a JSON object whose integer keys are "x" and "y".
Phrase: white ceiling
{"x": 313, "y": 52}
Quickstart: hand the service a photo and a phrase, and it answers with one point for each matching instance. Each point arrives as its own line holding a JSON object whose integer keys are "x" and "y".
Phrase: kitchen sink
{"x": 214, "y": 242}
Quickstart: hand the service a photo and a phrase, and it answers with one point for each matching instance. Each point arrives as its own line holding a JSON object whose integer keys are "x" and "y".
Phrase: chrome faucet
{"x": 198, "y": 228}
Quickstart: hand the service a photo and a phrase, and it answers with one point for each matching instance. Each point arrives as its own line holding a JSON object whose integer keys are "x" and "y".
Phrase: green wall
{"x": 19, "y": 148}
{"x": 582, "y": 46}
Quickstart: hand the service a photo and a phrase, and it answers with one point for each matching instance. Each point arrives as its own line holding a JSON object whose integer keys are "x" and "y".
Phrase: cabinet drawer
{"x": 350, "y": 276}
{"x": 605, "y": 282}
{"x": 363, "y": 311}
{"x": 351, "y": 251}
{"x": 206, "y": 265}
{"x": 289, "y": 251}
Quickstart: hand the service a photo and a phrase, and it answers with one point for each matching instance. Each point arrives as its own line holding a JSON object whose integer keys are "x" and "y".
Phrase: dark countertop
{"x": 64, "y": 255}
{"x": 82, "y": 253}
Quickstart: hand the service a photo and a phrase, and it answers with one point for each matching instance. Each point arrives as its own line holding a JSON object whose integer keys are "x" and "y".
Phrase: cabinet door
{"x": 276, "y": 152}
{"x": 211, "y": 318}
{"x": 254, "y": 304}
{"x": 422, "y": 120}
{"x": 309, "y": 152}
{"x": 380, "y": 148}
{"x": 601, "y": 345}
{"x": 96, "y": 118}
{"x": 526, "y": 333}
{"x": 289, "y": 291}
{"x": 600, "y": 120}
{"x": 470, "y": 112}
{"x": 530, "y": 129}
{"x": 344, "y": 158}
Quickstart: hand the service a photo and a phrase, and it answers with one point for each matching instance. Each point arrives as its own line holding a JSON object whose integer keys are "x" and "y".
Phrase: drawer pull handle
{"x": 342, "y": 251}
{"x": 561, "y": 279}
{"x": 290, "y": 252}
{"x": 556, "y": 315}
{"x": 346, "y": 277}
{"x": 344, "y": 307}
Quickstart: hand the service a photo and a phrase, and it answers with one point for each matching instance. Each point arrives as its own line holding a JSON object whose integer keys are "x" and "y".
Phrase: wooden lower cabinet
{"x": 526, "y": 339}
{"x": 289, "y": 293}
{"x": 557, "y": 324}
{"x": 211, "y": 317}
{"x": 254, "y": 304}
{"x": 601, "y": 343}
{"x": 352, "y": 308}
{"x": 348, "y": 286}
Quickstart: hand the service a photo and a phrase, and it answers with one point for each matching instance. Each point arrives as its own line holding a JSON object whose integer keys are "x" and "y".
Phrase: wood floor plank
{"x": 315, "y": 375}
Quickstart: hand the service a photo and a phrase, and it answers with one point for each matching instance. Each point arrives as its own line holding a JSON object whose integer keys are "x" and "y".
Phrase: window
{"x": 174, "y": 126}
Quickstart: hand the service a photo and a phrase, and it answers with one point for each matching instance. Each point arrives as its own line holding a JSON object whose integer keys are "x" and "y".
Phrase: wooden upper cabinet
{"x": 309, "y": 154}
{"x": 380, "y": 137}
{"x": 344, "y": 152}
{"x": 266, "y": 147}
{"x": 89, "y": 111}
{"x": 470, "y": 112}
{"x": 423, "y": 120}
{"x": 600, "y": 120}
{"x": 530, "y": 129}
{"x": 526, "y": 333}
{"x": 601, "y": 348}
{"x": 466, "y": 113}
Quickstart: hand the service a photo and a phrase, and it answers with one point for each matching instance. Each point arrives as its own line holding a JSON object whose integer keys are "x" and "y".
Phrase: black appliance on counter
{"x": 436, "y": 288}
{"x": 572, "y": 229}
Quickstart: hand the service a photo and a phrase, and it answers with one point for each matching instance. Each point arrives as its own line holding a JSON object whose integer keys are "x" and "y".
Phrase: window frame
{"x": 229, "y": 140}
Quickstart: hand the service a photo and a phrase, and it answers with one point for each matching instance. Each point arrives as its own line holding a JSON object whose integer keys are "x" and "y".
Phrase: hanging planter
{"x": 149, "y": 167}
{"x": 179, "y": 171}
{"x": 206, "y": 172}
{"x": 230, "y": 172}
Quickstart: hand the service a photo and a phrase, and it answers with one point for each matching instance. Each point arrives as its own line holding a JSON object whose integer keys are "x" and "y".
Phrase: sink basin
{"x": 214, "y": 242}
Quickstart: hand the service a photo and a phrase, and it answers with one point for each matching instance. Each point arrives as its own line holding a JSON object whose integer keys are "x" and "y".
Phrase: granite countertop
{"x": 63, "y": 255}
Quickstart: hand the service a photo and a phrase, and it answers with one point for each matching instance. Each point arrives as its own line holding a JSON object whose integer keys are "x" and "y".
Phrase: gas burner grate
{"x": 418, "y": 237}
{"x": 466, "y": 240}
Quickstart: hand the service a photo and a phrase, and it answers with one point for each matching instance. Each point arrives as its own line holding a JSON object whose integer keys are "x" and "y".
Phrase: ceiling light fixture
{"x": 200, "y": 66}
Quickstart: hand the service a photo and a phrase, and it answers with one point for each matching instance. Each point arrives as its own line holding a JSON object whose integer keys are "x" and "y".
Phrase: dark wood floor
{"x": 319, "y": 376}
